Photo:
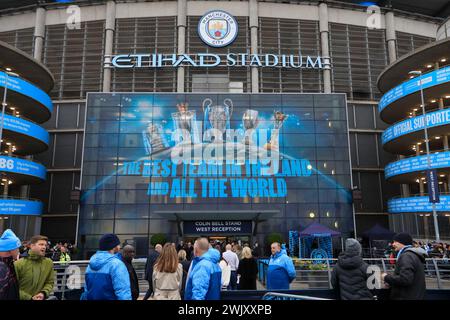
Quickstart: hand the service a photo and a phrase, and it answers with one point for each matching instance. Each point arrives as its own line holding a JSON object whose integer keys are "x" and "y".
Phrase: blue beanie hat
{"x": 108, "y": 242}
{"x": 9, "y": 241}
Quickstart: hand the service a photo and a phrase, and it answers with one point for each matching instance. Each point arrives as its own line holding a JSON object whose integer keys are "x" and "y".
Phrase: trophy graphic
{"x": 278, "y": 120}
{"x": 217, "y": 117}
{"x": 186, "y": 119}
{"x": 250, "y": 121}
{"x": 154, "y": 141}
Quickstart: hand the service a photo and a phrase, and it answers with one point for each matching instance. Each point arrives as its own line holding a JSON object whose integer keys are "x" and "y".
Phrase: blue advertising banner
{"x": 217, "y": 227}
{"x": 20, "y": 207}
{"x": 25, "y": 127}
{"x": 27, "y": 89}
{"x": 433, "y": 186}
{"x": 414, "y": 164}
{"x": 417, "y": 204}
{"x": 428, "y": 80}
{"x": 21, "y": 166}
{"x": 433, "y": 119}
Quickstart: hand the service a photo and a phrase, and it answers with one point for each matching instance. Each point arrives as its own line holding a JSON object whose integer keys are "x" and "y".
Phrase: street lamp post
{"x": 7, "y": 73}
{"x": 5, "y": 90}
{"x": 433, "y": 205}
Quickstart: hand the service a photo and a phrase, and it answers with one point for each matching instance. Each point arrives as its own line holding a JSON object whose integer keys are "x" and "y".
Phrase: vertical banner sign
{"x": 433, "y": 186}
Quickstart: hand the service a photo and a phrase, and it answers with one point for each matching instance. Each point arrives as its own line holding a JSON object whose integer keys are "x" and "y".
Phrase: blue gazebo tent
{"x": 377, "y": 232}
{"x": 323, "y": 235}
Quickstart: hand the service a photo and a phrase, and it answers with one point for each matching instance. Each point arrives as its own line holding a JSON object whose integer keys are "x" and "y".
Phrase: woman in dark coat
{"x": 186, "y": 264}
{"x": 248, "y": 270}
{"x": 349, "y": 276}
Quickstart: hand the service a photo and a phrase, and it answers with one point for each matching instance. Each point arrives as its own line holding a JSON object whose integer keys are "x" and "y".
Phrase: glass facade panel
{"x": 130, "y": 175}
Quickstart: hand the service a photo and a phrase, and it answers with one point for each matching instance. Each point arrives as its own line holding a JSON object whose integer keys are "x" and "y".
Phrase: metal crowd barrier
{"x": 314, "y": 275}
{"x": 69, "y": 277}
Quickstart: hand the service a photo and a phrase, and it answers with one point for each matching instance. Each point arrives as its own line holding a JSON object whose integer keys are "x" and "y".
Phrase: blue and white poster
{"x": 417, "y": 204}
{"x": 27, "y": 89}
{"x": 25, "y": 127}
{"x": 428, "y": 80}
{"x": 24, "y": 167}
{"x": 20, "y": 207}
{"x": 419, "y": 163}
{"x": 430, "y": 120}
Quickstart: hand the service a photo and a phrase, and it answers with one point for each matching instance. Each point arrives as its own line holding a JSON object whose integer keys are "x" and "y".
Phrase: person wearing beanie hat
{"x": 108, "y": 242}
{"x": 107, "y": 276}
{"x": 403, "y": 238}
{"x": 9, "y": 252}
{"x": 408, "y": 280}
{"x": 349, "y": 277}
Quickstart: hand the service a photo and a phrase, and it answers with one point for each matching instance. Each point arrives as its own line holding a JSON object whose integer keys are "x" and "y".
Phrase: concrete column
{"x": 5, "y": 188}
{"x": 421, "y": 182}
{"x": 325, "y": 46}
{"x": 39, "y": 33}
{"x": 110, "y": 27}
{"x": 404, "y": 187}
{"x": 38, "y": 48}
{"x": 254, "y": 23}
{"x": 444, "y": 138}
{"x": 181, "y": 45}
{"x": 391, "y": 37}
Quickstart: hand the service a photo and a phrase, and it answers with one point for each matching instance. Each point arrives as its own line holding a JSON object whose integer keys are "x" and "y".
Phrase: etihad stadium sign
{"x": 216, "y": 29}
{"x": 209, "y": 60}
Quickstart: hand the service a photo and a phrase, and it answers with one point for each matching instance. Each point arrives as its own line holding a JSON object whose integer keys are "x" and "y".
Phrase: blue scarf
{"x": 401, "y": 251}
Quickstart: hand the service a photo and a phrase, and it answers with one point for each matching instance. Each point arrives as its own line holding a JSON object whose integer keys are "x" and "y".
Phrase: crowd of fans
{"x": 60, "y": 252}
{"x": 199, "y": 271}
{"x": 433, "y": 249}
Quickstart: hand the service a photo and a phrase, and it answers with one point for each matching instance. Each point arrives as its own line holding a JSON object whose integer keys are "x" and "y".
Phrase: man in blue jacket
{"x": 107, "y": 276}
{"x": 281, "y": 270}
{"x": 205, "y": 276}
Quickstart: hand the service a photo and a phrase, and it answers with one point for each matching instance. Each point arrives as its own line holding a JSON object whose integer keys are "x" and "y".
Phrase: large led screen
{"x": 149, "y": 155}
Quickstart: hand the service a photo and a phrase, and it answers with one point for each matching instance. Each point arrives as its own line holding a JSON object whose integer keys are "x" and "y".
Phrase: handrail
{"x": 420, "y": 155}
{"x": 437, "y": 271}
{"x": 289, "y": 296}
{"x": 425, "y": 194}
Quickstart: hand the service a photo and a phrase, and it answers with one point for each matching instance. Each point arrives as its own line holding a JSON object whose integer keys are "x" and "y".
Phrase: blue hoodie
{"x": 205, "y": 276}
{"x": 281, "y": 272}
{"x": 106, "y": 278}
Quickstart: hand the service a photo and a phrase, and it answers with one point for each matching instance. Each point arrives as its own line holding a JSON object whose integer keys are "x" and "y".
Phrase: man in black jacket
{"x": 349, "y": 276}
{"x": 128, "y": 254}
{"x": 9, "y": 252}
{"x": 408, "y": 280}
{"x": 154, "y": 254}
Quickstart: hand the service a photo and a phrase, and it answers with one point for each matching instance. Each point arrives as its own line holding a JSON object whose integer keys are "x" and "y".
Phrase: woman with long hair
{"x": 167, "y": 275}
{"x": 182, "y": 258}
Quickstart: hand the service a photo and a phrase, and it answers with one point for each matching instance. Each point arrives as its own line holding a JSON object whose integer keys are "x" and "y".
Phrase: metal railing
{"x": 314, "y": 275}
{"x": 69, "y": 277}
{"x": 286, "y": 296}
